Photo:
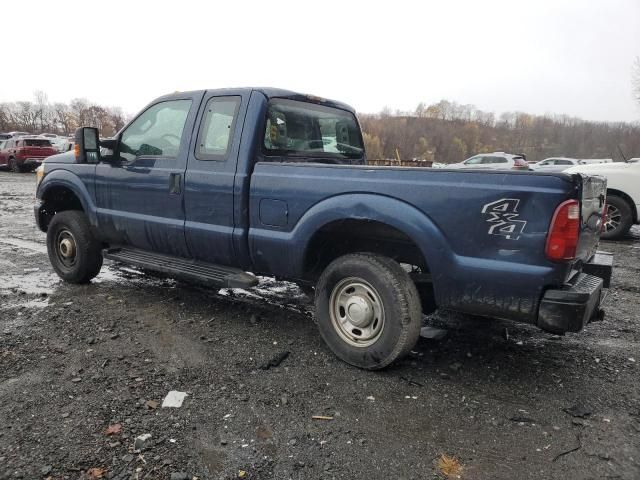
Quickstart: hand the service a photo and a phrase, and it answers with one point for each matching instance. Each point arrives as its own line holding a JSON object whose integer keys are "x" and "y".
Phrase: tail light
{"x": 564, "y": 232}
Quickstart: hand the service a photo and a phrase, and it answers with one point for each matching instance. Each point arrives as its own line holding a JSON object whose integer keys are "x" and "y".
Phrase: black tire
{"x": 14, "y": 166}
{"x": 74, "y": 252}
{"x": 398, "y": 300}
{"x": 619, "y": 218}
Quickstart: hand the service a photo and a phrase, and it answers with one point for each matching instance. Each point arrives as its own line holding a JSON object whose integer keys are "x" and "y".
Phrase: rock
{"x": 444, "y": 375}
{"x": 127, "y": 458}
{"x": 91, "y": 341}
{"x": 275, "y": 361}
{"x": 114, "y": 336}
{"x": 46, "y": 470}
{"x": 65, "y": 415}
{"x": 254, "y": 319}
{"x": 180, "y": 476}
{"x": 76, "y": 380}
{"x": 151, "y": 404}
{"x": 456, "y": 366}
{"x": 578, "y": 411}
{"x": 284, "y": 400}
{"x": 174, "y": 399}
{"x": 433, "y": 333}
{"x": 142, "y": 441}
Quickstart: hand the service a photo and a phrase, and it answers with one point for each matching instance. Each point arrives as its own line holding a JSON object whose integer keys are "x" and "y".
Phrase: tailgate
{"x": 593, "y": 190}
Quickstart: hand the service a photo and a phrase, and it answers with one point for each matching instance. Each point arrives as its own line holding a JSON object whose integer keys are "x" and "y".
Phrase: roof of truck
{"x": 269, "y": 93}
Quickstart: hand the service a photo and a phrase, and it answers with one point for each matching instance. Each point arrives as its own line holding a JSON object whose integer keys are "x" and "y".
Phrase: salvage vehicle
{"x": 623, "y": 195}
{"x": 210, "y": 185}
{"x": 25, "y": 154}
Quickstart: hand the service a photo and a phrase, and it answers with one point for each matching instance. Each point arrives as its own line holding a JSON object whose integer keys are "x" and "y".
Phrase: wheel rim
{"x": 614, "y": 217}
{"x": 66, "y": 248}
{"x": 357, "y": 312}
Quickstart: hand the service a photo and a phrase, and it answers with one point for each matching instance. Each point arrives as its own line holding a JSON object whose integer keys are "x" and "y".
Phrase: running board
{"x": 206, "y": 273}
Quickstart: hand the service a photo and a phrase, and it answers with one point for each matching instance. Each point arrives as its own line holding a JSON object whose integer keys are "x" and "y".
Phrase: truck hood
{"x": 66, "y": 157}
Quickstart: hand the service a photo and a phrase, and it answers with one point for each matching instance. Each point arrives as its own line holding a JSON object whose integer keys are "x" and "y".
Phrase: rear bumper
{"x": 570, "y": 308}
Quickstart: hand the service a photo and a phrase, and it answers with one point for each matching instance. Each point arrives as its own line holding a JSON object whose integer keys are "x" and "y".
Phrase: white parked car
{"x": 494, "y": 161}
{"x": 623, "y": 194}
{"x": 555, "y": 164}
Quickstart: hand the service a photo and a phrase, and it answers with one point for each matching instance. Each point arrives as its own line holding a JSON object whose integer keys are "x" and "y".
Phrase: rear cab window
{"x": 217, "y": 128}
{"x": 302, "y": 131}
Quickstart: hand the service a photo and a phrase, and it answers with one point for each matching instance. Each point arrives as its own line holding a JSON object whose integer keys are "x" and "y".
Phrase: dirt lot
{"x": 75, "y": 360}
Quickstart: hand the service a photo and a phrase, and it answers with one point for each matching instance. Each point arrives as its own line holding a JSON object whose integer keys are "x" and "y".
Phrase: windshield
{"x": 305, "y": 129}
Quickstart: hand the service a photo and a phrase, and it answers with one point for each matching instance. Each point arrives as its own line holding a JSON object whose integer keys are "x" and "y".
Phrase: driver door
{"x": 139, "y": 191}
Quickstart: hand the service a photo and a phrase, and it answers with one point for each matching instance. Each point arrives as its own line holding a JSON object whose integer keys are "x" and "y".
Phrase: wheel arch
{"x": 626, "y": 198}
{"x": 62, "y": 191}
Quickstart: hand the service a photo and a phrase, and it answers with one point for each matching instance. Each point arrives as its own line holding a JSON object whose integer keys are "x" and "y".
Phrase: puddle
{"x": 25, "y": 244}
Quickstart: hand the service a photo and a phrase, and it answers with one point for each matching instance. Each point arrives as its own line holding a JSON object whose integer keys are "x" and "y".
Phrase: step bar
{"x": 200, "y": 272}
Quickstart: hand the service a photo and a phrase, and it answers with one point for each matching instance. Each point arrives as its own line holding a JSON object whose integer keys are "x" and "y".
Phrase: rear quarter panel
{"x": 483, "y": 234}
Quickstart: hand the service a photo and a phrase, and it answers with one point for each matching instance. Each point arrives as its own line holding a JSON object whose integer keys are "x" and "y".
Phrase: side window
{"x": 474, "y": 161}
{"x": 217, "y": 127}
{"x": 157, "y": 132}
{"x": 487, "y": 160}
{"x": 564, "y": 162}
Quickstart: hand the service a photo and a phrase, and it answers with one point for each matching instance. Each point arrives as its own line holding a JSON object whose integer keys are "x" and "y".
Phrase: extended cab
{"x": 211, "y": 185}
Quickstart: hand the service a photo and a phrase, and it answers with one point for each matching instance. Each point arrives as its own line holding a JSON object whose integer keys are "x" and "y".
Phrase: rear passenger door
{"x": 210, "y": 176}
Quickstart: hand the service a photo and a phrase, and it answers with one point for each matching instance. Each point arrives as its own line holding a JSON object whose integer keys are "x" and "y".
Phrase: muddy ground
{"x": 75, "y": 360}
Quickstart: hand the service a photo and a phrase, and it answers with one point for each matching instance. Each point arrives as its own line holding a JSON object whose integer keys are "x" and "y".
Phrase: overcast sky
{"x": 556, "y": 56}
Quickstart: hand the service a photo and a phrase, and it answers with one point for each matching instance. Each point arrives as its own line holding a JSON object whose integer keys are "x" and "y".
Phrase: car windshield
{"x": 304, "y": 129}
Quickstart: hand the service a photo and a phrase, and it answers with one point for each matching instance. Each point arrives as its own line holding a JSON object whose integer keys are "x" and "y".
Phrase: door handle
{"x": 175, "y": 183}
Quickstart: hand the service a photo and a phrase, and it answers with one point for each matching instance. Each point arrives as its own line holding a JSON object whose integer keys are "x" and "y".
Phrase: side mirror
{"x": 87, "y": 145}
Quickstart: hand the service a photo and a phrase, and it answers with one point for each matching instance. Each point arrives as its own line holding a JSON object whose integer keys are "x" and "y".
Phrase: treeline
{"x": 40, "y": 116}
{"x": 448, "y": 132}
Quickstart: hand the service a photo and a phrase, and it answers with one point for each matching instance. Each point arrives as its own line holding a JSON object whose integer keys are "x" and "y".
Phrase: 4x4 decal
{"x": 502, "y": 216}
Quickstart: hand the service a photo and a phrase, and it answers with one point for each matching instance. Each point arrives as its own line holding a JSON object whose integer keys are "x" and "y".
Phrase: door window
{"x": 157, "y": 132}
{"x": 489, "y": 160}
{"x": 217, "y": 127}
{"x": 474, "y": 161}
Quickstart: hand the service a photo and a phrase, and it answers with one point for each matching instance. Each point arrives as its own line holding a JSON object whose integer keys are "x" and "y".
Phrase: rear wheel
{"x": 14, "y": 166}
{"x": 368, "y": 310}
{"x": 74, "y": 252}
{"x": 619, "y": 218}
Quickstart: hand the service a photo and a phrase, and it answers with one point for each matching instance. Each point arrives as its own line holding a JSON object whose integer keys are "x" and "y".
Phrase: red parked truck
{"x": 25, "y": 154}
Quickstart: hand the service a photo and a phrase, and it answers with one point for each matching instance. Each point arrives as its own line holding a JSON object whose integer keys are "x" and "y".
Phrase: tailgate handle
{"x": 175, "y": 183}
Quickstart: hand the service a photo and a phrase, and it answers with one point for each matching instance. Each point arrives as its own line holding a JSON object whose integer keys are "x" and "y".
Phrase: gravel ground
{"x": 506, "y": 400}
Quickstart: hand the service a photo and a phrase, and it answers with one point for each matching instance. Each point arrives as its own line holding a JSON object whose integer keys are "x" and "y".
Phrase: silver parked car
{"x": 555, "y": 164}
{"x": 494, "y": 161}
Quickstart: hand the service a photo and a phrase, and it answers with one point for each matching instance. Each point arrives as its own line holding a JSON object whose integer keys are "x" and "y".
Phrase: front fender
{"x": 70, "y": 180}
{"x": 283, "y": 253}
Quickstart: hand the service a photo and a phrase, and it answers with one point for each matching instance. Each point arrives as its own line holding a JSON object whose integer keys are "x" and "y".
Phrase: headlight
{"x": 39, "y": 175}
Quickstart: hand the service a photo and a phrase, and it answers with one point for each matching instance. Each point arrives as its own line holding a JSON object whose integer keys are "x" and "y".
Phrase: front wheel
{"x": 618, "y": 220}
{"x": 74, "y": 252}
{"x": 368, "y": 310}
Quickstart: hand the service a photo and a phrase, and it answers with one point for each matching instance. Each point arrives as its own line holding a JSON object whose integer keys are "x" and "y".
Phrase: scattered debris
{"x": 321, "y": 417}
{"x": 577, "y": 411}
{"x": 151, "y": 404}
{"x": 95, "y": 473}
{"x": 521, "y": 419}
{"x": 180, "y": 476}
{"x": 113, "y": 429}
{"x": 174, "y": 399}
{"x": 433, "y": 333}
{"x": 371, "y": 398}
{"x": 275, "y": 361}
{"x": 449, "y": 466}
{"x": 456, "y": 366}
{"x": 46, "y": 470}
{"x": 562, "y": 454}
{"x": 141, "y": 442}
{"x": 242, "y": 474}
{"x": 411, "y": 382}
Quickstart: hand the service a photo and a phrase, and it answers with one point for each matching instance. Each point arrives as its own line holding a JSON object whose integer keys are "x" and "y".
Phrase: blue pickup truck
{"x": 218, "y": 186}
